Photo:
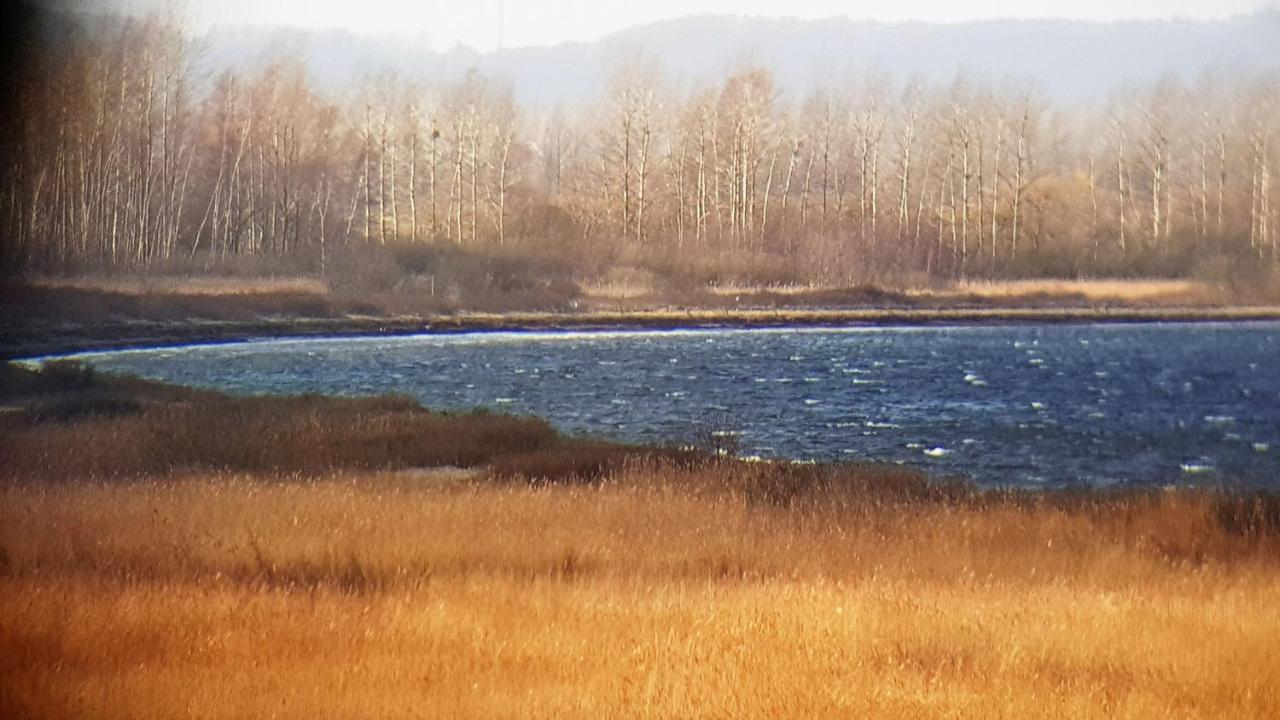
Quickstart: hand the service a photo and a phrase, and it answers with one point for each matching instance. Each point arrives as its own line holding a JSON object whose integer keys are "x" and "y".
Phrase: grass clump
{"x": 68, "y": 423}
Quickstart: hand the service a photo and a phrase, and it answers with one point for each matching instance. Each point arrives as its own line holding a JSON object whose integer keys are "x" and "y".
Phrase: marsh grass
{"x": 70, "y": 423}
{"x": 660, "y": 591}
{"x": 1186, "y": 292}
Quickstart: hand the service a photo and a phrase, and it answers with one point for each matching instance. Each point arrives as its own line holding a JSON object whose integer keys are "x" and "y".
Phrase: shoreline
{"x": 51, "y": 339}
{"x": 137, "y": 513}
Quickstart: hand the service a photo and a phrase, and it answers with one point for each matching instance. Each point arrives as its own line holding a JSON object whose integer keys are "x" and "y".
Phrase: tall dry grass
{"x": 143, "y": 284}
{"x": 1138, "y": 291}
{"x": 667, "y": 590}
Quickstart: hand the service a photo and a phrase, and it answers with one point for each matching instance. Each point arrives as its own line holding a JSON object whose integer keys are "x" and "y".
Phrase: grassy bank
{"x": 73, "y": 315}
{"x": 300, "y": 558}
{"x": 67, "y": 422}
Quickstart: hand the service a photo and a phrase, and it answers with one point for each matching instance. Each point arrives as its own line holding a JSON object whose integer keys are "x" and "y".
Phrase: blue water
{"x": 1021, "y": 405}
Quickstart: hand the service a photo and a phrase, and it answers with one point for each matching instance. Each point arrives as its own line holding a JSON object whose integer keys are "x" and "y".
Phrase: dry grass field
{"x": 200, "y": 286}
{"x": 167, "y": 553}
{"x": 1185, "y": 292}
{"x": 662, "y": 592}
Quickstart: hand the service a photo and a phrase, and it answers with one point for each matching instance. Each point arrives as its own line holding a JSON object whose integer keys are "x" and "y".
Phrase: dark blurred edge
{"x": 24, "y": 27}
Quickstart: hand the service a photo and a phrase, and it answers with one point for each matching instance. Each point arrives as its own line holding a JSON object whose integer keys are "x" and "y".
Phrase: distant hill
{"x": 1070, "y": 60}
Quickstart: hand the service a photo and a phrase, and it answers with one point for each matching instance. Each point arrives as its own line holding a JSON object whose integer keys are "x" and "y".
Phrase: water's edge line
{"x": 67, "y": 341}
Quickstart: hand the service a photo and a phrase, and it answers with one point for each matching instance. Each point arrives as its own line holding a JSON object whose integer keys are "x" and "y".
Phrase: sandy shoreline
{"x": 46, "y": 338}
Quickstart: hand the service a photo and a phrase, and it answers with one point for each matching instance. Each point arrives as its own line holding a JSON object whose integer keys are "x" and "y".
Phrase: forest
{"x": 121, "y": 156}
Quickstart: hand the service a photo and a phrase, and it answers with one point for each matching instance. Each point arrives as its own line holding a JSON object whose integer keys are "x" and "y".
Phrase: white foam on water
{"x": 881, "y": 425}
{"x": 970, "y": 377}
{"x": 1219, "y": 419}
{"x": 1036, "y": 361}
{"x": 1261, "y": 447}
{"x": 504, "y": 401}
{"x": 913, "y": 446}
{"x": 811, "y": 401}
{"x": 812, "y": 380}
{"x": 1197, "y": 468}
{"x": 937, "y": 452}
{"x": 1037, "y": 406}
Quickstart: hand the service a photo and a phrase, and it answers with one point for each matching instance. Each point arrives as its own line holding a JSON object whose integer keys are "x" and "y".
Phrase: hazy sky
{"x": 445, "y": 23}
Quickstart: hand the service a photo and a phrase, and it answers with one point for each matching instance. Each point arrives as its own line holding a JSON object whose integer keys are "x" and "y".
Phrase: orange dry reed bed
{"x": 662, "y": 592}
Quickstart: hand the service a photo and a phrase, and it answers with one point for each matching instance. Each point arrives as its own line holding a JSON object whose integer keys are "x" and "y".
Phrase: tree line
{"x": 120, "y": 156}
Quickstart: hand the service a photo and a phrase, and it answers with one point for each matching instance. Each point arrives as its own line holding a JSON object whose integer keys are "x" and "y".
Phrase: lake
{"x": 1020, "y": 405}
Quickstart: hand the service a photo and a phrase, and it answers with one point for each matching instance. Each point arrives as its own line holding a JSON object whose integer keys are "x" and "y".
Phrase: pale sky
{"x": 445, "y": 23}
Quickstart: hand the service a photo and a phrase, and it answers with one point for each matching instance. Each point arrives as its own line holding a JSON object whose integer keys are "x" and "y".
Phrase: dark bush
{"x": 1255, "y": 514}
{"x": 70, "y": 409}
{"x": 585, "y": 461}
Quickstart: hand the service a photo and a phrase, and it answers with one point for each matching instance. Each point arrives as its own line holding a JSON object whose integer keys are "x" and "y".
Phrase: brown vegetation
{"x": 660, "y": 592}
{"x": 67, "y": 422}
{"x": 1164, "y": 292}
